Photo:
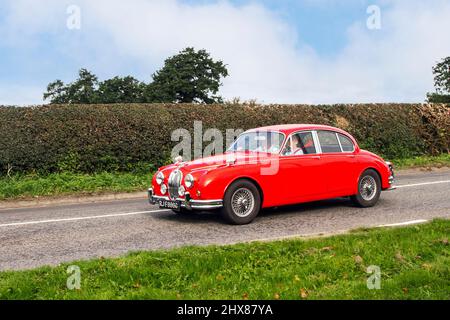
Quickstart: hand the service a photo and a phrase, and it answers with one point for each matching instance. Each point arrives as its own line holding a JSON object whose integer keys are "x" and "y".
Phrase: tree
{"x": 190, "y": 76}
{"x": 438, "y": 98}
{"x": 82, "y": 90}
{"x": 441, "y": 73}
{"x": 56, "y": 92}
{"x": 121, "y": 90}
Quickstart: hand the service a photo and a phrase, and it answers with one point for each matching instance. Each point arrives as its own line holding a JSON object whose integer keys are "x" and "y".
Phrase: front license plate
{"x": 169, "y": 204}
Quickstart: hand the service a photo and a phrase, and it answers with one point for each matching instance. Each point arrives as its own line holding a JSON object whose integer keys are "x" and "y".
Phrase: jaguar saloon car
{"x": 271, "y": 167}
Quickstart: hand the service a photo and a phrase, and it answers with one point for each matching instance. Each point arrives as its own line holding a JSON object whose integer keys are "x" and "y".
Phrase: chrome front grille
{"x": 174, "y": 182}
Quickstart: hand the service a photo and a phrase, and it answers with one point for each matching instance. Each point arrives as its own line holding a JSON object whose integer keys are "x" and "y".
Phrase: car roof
{"x": 289, "y": 128}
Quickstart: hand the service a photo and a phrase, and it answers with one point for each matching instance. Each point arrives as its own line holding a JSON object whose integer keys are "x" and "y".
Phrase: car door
{"x": 301, "y": 172}
{"x": 339, "y": 162}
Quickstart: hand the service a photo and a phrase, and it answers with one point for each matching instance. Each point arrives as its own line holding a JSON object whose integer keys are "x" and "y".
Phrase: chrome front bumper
{"x": 187, "y": 202}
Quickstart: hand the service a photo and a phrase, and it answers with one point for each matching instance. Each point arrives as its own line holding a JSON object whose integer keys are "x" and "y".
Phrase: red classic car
{"x": 274, "y": 166}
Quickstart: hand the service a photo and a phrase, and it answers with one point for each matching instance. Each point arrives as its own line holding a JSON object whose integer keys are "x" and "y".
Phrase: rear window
{"x": 328, "y": 142}
{"x": 346, "y": 143}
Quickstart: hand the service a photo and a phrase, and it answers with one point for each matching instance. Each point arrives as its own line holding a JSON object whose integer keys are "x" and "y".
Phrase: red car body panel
{"x": 300, "y": 178}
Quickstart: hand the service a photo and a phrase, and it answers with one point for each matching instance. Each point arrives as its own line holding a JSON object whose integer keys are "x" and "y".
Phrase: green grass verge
{"x": 58, "y": 184}
{"x": 414, "y": 263}
{"x": 71, "y": 183}
{"x": 442, "y": 160}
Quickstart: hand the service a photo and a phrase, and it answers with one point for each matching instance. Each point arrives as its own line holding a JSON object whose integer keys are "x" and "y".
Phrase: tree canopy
{"x": 441, "y": 73}
{"x": 188, "y": 77}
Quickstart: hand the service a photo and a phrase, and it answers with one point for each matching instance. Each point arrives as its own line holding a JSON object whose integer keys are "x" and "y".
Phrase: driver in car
{"x": 296, "y": 144}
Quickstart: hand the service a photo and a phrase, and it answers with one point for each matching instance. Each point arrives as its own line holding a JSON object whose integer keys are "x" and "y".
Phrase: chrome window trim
{"x": 318, "y": 149}
{"x": 339, "y": 141}
{"x": 317, "y": 142}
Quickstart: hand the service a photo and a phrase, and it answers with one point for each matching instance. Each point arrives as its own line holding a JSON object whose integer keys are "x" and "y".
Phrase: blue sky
{"x": 278, "y": 51}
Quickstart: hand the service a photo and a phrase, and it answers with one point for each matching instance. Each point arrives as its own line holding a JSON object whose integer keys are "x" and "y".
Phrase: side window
{"x": 346, "y": 143}
{"x": 328, "y": 142}
{"x": 300, "y": 143}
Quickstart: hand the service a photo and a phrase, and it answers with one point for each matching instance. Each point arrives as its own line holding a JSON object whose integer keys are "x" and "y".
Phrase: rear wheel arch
{"x": 359, "y": 198}
{"x": 376, "y": 170}
{"x": 369, "y": 168}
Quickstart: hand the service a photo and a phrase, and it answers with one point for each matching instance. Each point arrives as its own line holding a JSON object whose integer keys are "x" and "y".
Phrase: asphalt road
{"x": 32, "y": 237}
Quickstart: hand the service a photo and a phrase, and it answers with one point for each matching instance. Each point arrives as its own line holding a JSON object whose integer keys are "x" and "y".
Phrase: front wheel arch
{"x": 252, "y": 199}
{"x": 261, "y": 193}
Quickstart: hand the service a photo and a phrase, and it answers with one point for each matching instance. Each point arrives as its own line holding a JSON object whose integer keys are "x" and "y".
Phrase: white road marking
{"x": 14, "y": 224}
{"x": 79, "y": 218}
{"x": 406, "y": 223}
{"x": 422, "y": 184}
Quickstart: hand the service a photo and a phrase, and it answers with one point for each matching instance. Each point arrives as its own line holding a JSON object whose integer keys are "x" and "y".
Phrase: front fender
{"x": 214, "y": 184}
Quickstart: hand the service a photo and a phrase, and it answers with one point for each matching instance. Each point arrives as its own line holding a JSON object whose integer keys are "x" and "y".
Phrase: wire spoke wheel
{"x": 242, "y": 202}
{"x": 368, "y": 188}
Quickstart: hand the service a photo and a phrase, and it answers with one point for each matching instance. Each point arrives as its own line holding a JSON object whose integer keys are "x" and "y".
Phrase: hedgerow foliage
{"x": 130, "y": 137}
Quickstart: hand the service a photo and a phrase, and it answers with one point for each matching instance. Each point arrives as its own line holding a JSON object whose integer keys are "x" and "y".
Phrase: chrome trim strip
{"x": 187, "y": 202}
{"x": 339, "y": 141}
{"x": 204, "y": 201}
{"x": 167, "y": 198}
{"x": 174, "y": 182}
{"x": 318, "y": 151}
{"x": 317, "y": 142}
{"x": 351, "y": 140}
{"x": 206, "y": 207}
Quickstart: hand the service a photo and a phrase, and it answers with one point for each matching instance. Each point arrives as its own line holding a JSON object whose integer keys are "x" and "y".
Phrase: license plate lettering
{"x": 169, "y": 204}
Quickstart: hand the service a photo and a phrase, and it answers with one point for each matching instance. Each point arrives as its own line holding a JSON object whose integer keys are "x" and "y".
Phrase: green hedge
{"x": 90, "y": 138}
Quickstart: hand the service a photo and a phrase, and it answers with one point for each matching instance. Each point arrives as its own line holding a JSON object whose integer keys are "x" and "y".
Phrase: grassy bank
{"x": 414, "y": 263}
{"x": 70, "y": 183}
{"x": 442, "y": 160}
{"x": 28, "y": 186}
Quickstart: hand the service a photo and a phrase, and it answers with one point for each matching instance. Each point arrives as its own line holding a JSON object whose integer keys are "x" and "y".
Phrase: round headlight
{"x": 160, "y": 178}
{"x": 163, "y": 188}
{"x": 181, "y": 191}
{"x": 189, "y": 181}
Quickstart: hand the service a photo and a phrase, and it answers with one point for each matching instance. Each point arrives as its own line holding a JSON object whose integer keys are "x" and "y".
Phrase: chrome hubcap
{"x": 368, "y": 188}
{"x": 242, "y": 202}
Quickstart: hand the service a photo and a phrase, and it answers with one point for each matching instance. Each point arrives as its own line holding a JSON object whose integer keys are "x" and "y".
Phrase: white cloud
{"x": 265, "y": 59}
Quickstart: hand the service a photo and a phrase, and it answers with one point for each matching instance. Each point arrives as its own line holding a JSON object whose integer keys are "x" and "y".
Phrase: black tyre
{"x": 369, "y": 189}
{"x": 241, "y": 203}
